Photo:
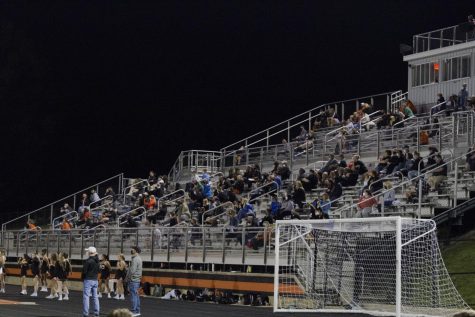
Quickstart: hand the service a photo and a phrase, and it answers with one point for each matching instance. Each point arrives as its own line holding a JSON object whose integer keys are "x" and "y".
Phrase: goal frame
{"x": 398, "y": 261}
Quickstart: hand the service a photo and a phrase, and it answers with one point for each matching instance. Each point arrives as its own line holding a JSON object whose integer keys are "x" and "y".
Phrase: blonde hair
{"x": 120, "y": 312}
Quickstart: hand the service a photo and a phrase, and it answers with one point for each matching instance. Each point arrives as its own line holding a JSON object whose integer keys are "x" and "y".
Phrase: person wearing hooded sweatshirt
{"x": 90, "y": 272}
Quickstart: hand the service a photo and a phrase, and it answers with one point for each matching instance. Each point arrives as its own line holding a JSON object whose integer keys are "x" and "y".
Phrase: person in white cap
{"x": 90, "y": 272}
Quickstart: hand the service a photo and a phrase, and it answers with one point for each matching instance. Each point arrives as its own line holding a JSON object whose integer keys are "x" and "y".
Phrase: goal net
{"x": 381, "y": 266}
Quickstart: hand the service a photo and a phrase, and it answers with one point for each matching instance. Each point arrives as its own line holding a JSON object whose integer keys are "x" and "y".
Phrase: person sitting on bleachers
{"x": 366, "y": 204}
{"x": 152, "y": 178}
{"x": 407, "y": 111}
{"x": 30, "y": 225}
{"x": 94, "y": 197}
{"x": 286, "y": 209}
{"x": 246, "y": 210}
{"x": 284, "y": 171}
{"x": 431, "y": 157}
{"x": 408, "y": 164}
{"x": 330, "y": 165}
{"x": 65, "y": 226}
{"x": 342, "y": 161}
{"x": 298, "y": 196}
{"x": 393, "y": 162}
{"x": 83, "y": 202}
{"x": 374, "y": 184}
{"x": 302, "y": 135}
{"x": 334, "y": 189}
{"x": 389, "y": 195}
{"x": 383, "y": 161}
{"x": 358, "y": 165}
{"x": 349, "y": 178}
{"x": 65, "y": 209}
{"x": 439, "y": 174}
{"x": 418, "y": 163}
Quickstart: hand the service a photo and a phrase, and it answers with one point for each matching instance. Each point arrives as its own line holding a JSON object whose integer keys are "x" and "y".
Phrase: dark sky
{"x": 89, "y": 89}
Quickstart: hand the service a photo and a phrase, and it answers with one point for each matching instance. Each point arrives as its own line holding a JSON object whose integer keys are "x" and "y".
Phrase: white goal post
{"x": 381, "y": 266}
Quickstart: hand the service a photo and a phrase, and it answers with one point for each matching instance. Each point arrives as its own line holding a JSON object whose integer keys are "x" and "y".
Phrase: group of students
{"x": 56, "y": 268}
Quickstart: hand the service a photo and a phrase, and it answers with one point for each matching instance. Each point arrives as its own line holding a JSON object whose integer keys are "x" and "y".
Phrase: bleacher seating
{"x": 221, "y": 208}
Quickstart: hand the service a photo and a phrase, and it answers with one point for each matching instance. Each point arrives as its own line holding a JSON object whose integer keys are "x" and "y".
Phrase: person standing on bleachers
{"x": 462, "y": 99}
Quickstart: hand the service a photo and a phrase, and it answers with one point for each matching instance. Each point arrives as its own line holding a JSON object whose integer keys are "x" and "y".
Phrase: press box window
{"x": 424, "y": 74}
{"x": 457, "y": 67}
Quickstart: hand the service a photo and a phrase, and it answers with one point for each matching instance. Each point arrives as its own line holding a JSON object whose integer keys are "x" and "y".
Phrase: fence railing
{"x": 44, "y": 216}
{"x": 185, "y": 244}
{"x": 444, "y": 37}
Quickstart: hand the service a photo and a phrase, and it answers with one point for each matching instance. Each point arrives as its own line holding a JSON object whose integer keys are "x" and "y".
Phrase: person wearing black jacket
{"x": 35, "y": 271}
{"x": 90, "y": 272}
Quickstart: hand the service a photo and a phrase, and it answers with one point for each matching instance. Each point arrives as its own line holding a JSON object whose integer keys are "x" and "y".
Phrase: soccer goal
{"x": 380, "y": 266}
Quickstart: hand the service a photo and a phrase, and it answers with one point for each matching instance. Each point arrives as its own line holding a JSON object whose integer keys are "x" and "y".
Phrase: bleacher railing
{"x": 449, "y": 36}
{"x": 179, "y": 244}
{"x": 44, "y": 216}
{"x": 452, "y": 166}
{"x": 285, "y": 129}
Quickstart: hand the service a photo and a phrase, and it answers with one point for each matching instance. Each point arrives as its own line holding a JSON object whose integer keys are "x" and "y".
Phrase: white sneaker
{"x": 2, "y": 290}
{"x": 108, "y": 295}
{"x": 66, "y": 297}
{"x": 116, "y": 297}
{"x": 60, "y": 297}
{"x": 51, "y": 296}
{"x": 56, "y": 295}
{"x": 99, "y": 295}
{"x": 44, "y": 289}
{"x": 35, "y": 294}
{"x": 122, "y": 297}
{"x": 23, "y": 292}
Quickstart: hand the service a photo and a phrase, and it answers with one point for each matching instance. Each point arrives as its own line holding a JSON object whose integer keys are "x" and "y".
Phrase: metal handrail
{"x": 100, "y": 200}
{"x": 451, "y": 153}
{"x": 64, "y": 216}
{"x": 214, "y": 208}
{"x": 124, "y": 190}
{"x": 261, "y": 187}
{"x": 305, "y": 113}
{"x": 85, "y": 231}
{"x": 128, "y": 213}
{"x": 168, "y": 195}
{"x": 435, "y": 106}
{"x": 4, "y": 225}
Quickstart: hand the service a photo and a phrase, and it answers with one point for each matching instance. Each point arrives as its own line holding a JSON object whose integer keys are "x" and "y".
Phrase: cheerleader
{"x": 68, "y": 269}
{"x": 35, "y": 271}
{"x": 24, "y": 265}
{"x": 52, "y": 275}
{"x": 44, "y": 266}
{"x": 105, "y": 275}
{"x": 3, "y": 259}
{"x": 59, "y": 275}
{"x": 120, "y": 276}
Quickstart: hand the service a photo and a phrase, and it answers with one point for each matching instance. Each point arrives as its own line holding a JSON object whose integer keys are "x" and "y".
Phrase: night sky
{"x": 89, "y": 89}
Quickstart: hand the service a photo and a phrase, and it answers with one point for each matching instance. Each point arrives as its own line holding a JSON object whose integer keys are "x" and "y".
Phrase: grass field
{"x": 459, "y": 258}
